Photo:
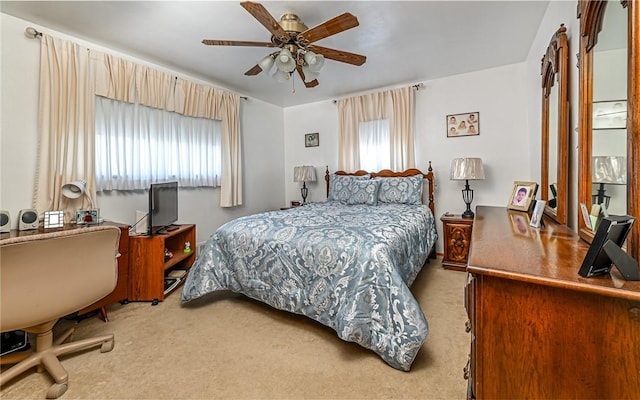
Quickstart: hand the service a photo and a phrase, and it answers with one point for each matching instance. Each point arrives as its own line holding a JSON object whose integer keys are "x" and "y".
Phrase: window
{"x": 137, "y": 145}
{"x": 374, "y": 145}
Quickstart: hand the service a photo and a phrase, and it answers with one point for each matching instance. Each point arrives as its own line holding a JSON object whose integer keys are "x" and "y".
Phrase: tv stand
{"x": 147, "y": 262}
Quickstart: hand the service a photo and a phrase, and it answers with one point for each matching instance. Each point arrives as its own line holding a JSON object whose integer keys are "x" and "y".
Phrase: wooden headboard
{"x": 387, "y": 173}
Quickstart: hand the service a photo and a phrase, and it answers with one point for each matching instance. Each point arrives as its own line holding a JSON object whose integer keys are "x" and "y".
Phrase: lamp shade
{"x": 609, "y": 169}
{"x": 74, "y": 190}
{"x": 280, "y": 76}
{"x": 304, "y": 173}
{"x": 266, "y": 63}
{"x": 285, "y": 61}
{"x": 466, "y": 169}
{"x": 314, "y": 61}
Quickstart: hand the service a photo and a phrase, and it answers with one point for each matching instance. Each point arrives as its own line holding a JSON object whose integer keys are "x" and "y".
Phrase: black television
{"x": 163, "y": 207}
{"x": 606, "y": 249}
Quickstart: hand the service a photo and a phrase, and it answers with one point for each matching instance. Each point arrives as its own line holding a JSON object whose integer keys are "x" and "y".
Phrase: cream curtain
{"x": 70, "y": 77}
{"x": 119, "y": 79}
{"x": 66, "y": 125}
{"x": 395, "y": 105}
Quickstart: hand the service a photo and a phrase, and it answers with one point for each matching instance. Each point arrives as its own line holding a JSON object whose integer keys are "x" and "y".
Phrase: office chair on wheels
{"x": 46, "y": 276}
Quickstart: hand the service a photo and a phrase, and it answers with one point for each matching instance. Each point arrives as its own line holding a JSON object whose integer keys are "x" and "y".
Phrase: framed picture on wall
{"x": 609, "y": 114}
{"x": 312, "y": 139}
{"x": 467, "y": 124}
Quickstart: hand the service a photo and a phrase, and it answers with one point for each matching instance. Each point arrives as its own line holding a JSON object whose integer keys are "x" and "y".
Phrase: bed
{"x": 347, "y": 263}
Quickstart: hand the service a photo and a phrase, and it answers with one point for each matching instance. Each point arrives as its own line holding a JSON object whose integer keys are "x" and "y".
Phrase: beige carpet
{"x": 226, "y": 346}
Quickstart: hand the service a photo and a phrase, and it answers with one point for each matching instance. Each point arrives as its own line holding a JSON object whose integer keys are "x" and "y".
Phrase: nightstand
{"x": 457, "y": 240}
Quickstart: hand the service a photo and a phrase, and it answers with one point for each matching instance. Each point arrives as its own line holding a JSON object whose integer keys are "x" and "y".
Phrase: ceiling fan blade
{"x": 262, "y": 15}
{"x": 339, "y": 55}
{"x": 328, "y": 28}
{"x": 211, "y": 42}
{"x": 309, "y": 84}
{"x": 254, "y": 71}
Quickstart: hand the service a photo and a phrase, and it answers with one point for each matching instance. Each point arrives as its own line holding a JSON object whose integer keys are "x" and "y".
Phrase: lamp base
{"x": 468, "y": 214}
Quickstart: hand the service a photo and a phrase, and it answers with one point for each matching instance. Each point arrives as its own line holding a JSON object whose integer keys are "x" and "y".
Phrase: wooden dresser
{"x": 538, "y": 329}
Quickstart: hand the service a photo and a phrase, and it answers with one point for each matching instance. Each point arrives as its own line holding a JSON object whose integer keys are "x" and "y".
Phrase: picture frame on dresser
{"x": 522, "y": 195}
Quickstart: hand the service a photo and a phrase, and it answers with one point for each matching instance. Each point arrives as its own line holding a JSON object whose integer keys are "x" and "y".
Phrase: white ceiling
{"x": 405, "y": 42}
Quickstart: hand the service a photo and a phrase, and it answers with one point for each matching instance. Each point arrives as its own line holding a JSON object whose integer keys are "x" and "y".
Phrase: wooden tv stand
{"x": 147, "y": 263}
{"x": 538, "y": 329}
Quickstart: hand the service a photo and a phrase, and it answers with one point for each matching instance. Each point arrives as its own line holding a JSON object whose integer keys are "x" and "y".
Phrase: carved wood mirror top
{"x": 609, "y": 154}
{"x": 555, "y": 126}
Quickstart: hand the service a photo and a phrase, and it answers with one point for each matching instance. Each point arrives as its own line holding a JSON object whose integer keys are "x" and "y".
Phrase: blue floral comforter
{"x": 348, "y": 267}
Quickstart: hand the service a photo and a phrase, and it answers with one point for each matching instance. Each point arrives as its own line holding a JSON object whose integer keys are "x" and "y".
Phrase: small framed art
{"x": 53, "y": 219}
{"x": 521, "y": 195}
{"x": 538, "y": 212}
{"x": 87, "y": 217}
{"x": 609, "y": 114}
{"x": 312, "y": 139}
{"x": 467, "y": 124}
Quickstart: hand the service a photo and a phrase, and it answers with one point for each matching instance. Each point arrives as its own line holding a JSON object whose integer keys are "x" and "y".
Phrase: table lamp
{"x": 466, "y": 169}
{"x": 304, "y": 174}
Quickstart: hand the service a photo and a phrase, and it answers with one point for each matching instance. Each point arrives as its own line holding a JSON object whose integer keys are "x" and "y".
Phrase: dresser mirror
{"x": 555, "y": 125}
{"x": 609, "y": 120}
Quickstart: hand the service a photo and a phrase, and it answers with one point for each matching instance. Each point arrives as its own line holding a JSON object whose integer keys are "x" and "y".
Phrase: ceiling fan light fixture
{"x": 317, "y": 64}
{"x": 309, "y": 75}
{"x": 285, "y": 61}
{"x": 266, "y": 63}
{"x": 280, "y": 76}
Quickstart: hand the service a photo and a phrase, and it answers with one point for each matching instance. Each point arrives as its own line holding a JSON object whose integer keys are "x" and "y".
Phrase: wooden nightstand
{"x": 457, "y": 240}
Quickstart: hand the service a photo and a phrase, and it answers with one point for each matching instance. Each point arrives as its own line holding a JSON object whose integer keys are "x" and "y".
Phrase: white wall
{"x": 261, "y": 127}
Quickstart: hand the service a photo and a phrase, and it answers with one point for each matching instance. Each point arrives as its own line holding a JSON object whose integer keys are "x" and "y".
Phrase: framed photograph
{"x": 53, "y": 219}
{"x": 467, "y": 124}
{"x": 521, "y": 195}
{"x": 609, "y": 114}
{"x": 312, "y": 139}
{"x": 538, "y": 212}
{"x": 87, "y": 217}
{"x": 520, "y": 223}
{"x": 585, "y": 215}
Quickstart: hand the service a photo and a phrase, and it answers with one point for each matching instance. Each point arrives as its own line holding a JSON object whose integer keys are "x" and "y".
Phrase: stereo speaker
{"x": 5, "y": 221}
{"x": 27, "y": 219}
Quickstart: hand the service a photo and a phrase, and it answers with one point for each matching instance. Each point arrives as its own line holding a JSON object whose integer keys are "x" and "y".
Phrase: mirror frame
{"x": 555, "y": 67}
{"x": 591, "y": 15}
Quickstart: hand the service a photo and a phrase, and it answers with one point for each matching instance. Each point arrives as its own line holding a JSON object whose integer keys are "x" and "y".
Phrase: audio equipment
{"x": 5, "y": 221}
{"x": 27, "y": 219}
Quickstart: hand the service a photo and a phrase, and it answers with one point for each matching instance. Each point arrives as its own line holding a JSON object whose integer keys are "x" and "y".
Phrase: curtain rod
{"x": 32, "y": 33}
{"x": 417, "y": 87}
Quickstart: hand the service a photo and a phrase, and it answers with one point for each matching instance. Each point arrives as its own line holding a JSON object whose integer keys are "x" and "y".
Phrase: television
{"x": 163, "y": 207}
{"x": 606, "y": 249}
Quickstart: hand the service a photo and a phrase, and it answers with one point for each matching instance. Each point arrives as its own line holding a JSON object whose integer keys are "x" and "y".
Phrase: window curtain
{"x": 375, "y": 143}
{"x": 66, "y": 125}
{"x": 125, "y": 81}
{"x": 140, "y": 145}
{"x": 394, "y": 105}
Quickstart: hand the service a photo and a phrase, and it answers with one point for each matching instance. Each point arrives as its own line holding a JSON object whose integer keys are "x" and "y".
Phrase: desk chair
{"x": 46, "y": 277}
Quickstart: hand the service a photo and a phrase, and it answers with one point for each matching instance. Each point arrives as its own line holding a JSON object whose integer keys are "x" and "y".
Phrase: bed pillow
{"x": 403, "y": 190}
{"x": 339, "y": 189}
{"x": 363, "y": 192}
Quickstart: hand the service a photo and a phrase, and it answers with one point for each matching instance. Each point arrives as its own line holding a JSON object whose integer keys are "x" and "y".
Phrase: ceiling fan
{"x": 296, "y": 41}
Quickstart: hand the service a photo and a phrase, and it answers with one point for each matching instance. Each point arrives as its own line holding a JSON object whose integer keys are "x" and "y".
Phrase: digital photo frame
{"x": 606, "y": 249}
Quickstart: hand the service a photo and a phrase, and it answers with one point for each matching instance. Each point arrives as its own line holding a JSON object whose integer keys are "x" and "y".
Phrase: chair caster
{"x": 56, "y": 390}
{"x": 107, "y": 346}
{"x": 124, "y": 302}
{"x": 155, "y": 302}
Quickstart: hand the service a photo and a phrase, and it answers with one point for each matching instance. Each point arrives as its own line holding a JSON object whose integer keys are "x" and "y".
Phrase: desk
{"x": 121, "y": 291}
